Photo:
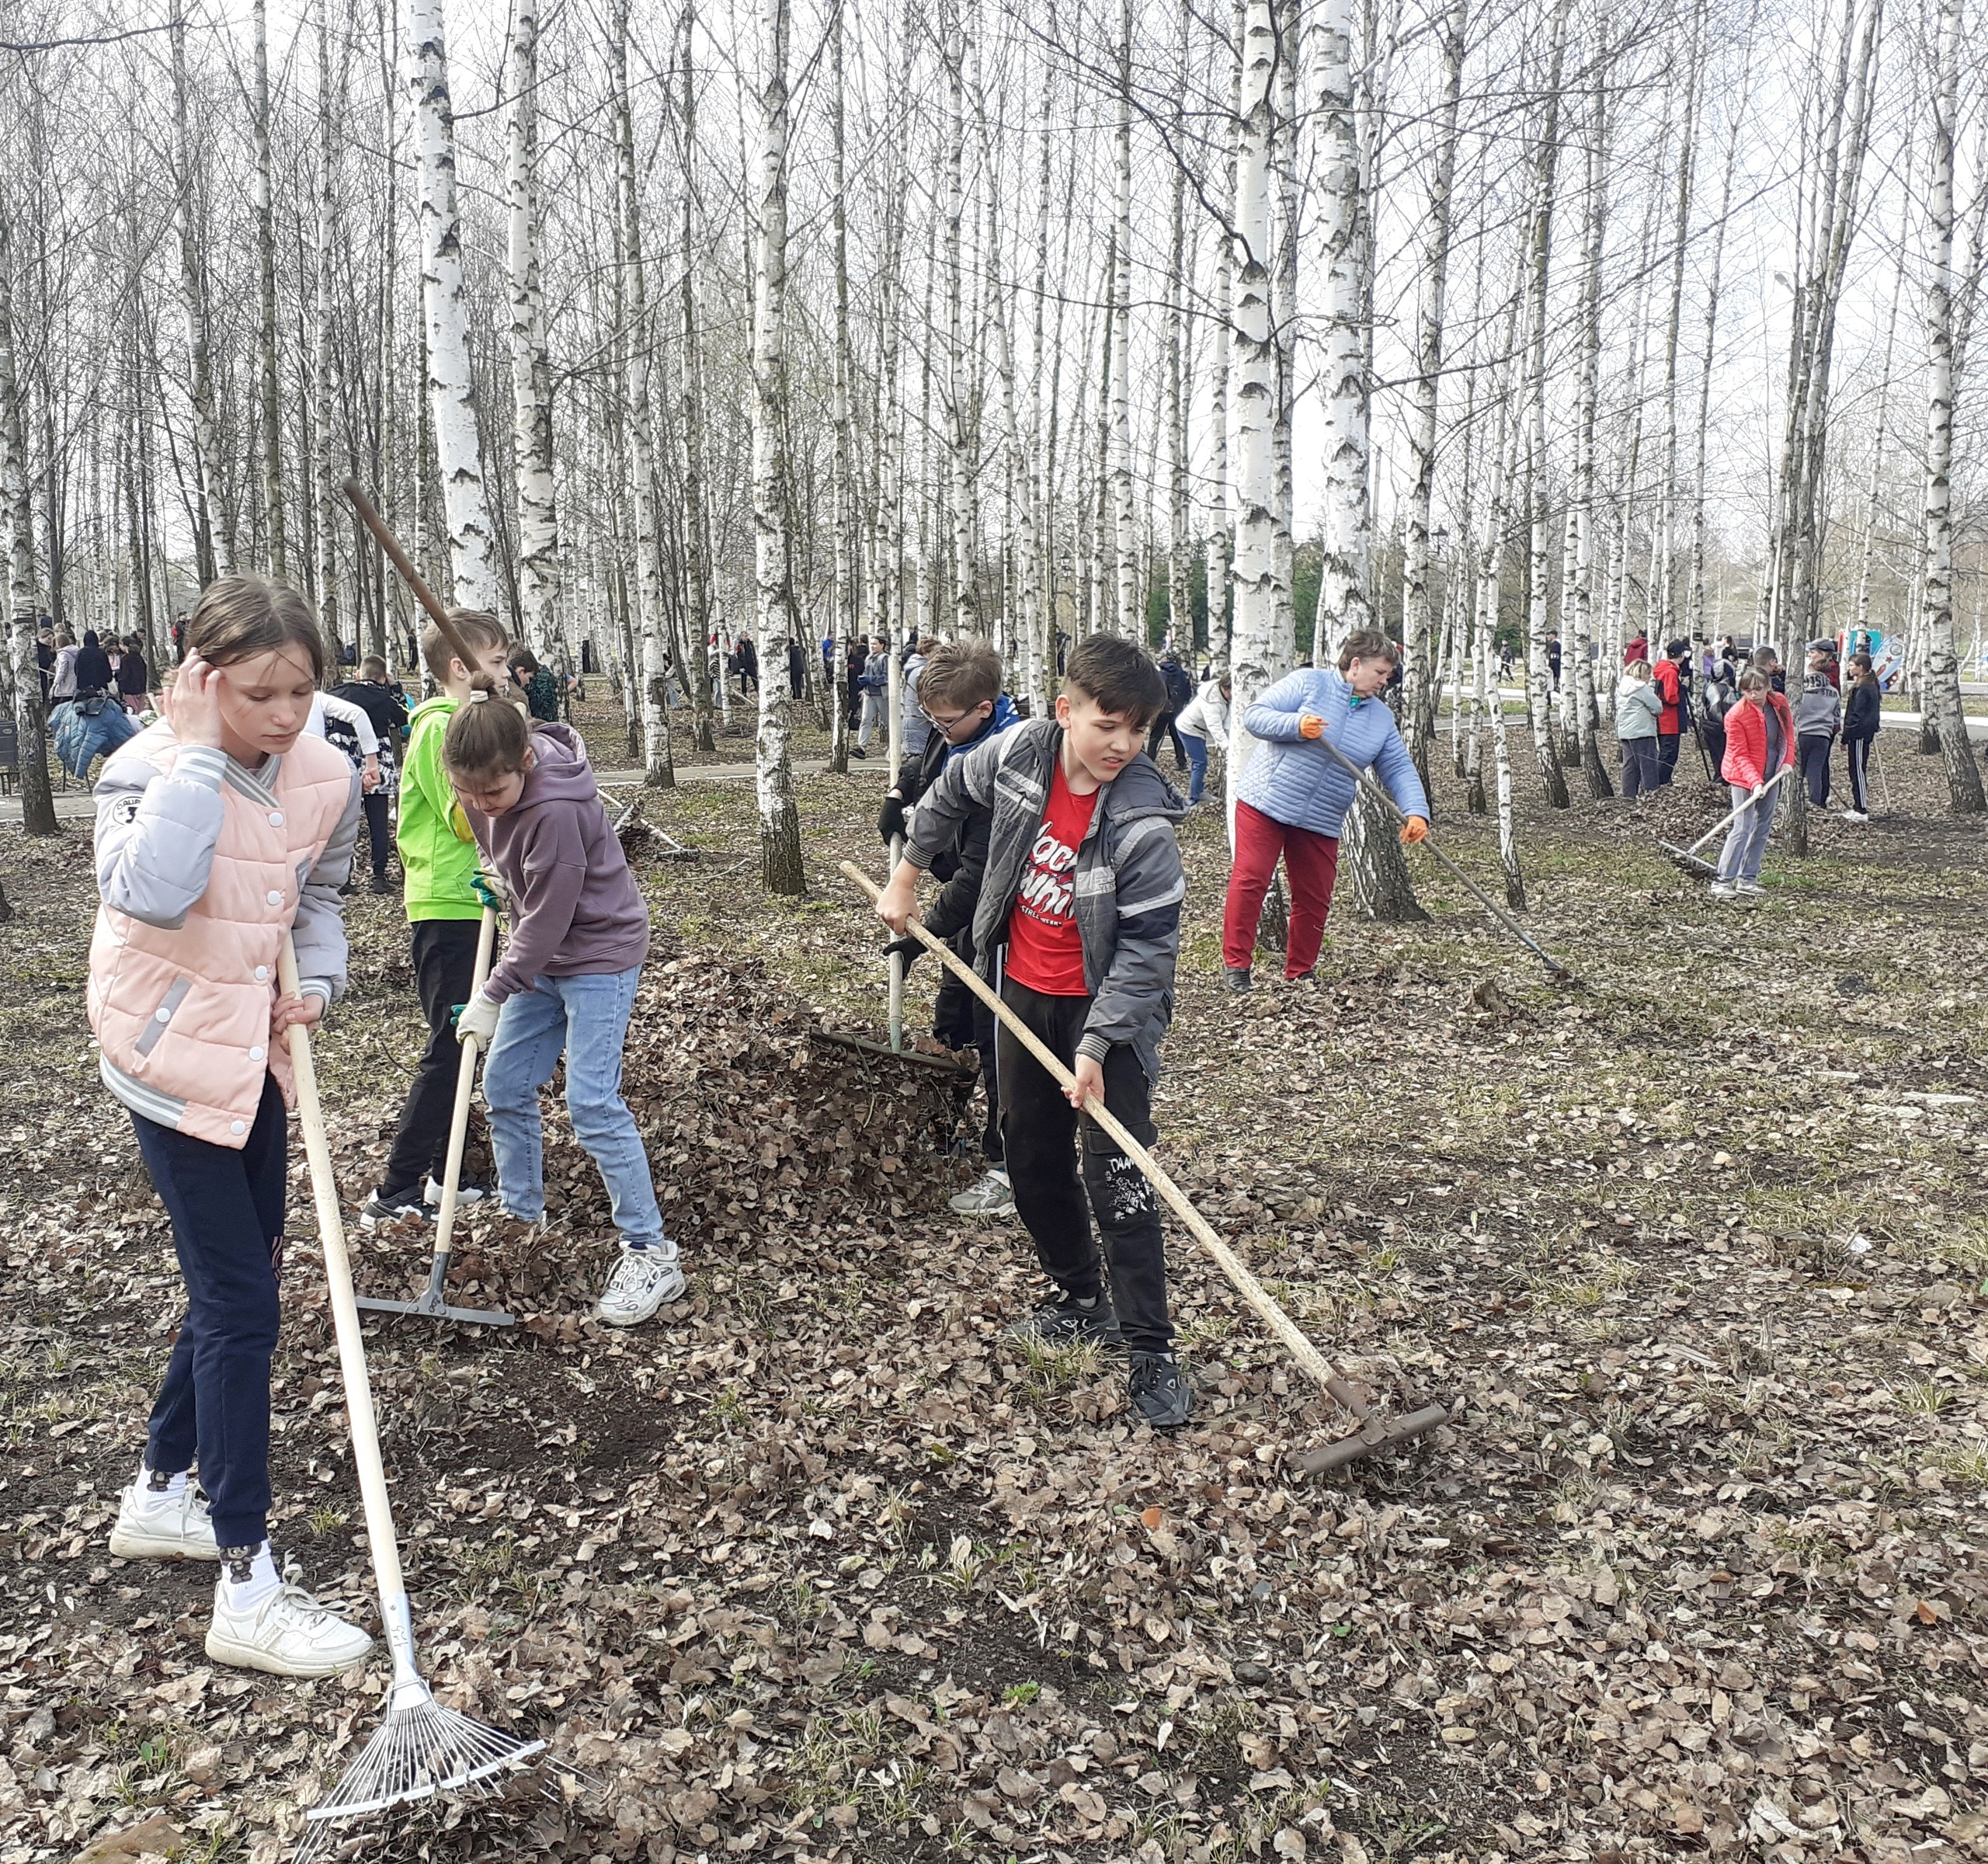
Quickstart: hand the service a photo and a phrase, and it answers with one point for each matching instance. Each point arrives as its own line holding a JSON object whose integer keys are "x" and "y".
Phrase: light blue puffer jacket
{"x": 1294, "y": 780}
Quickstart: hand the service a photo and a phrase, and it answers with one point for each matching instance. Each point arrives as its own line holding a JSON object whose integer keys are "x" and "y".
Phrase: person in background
{"x": 1552, "y": 659}
{"x": 1205, "y": 718}
{"x": 1767, "y": 662}
{"x": 1638, "y": 706}
{"x": 540, "y": 688}
{"x": 859, "y": 658}
{"x": 1818, "y": 717}
{"x": 94, "y": 673}
{"x": 1638, "y": 649}
{"x": 1179, "y": 695}
{"x": 1293, "y": 797}
{"x": 874, "y": 682}
{"x": 746, "y": 663}
{"x": 917, "y": 728}
{"x": 1667, "y": 676}
{"x": 62, "y": 678}
{"x": 1759, "y": 743}
{"x": 1719, "y": 692}
{"x": 1863, "y": 714}
{"x": 133, "y": 677}
{"x": 962, "y": 683}
{"x": 386, "y": 709}
{"x": 797, "y": 670}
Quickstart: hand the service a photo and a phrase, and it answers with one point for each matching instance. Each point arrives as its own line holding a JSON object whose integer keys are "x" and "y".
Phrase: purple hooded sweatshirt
{"x": 576, "y": 911}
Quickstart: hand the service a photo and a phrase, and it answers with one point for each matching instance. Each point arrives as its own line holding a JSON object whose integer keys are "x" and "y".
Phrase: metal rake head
{"x": 422, "y": 1749}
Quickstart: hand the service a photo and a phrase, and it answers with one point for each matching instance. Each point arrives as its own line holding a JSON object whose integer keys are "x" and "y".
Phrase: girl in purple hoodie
{"x": 579, "y": 932}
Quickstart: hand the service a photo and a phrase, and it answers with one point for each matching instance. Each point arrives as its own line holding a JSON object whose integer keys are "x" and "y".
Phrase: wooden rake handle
{"x": 452, "y": 1172}
{"x": 438, "y": 612}
{"x": 344, "y": 1307}
{"x": 1727, "y": 820}
{"x": 1231, "y": 1265}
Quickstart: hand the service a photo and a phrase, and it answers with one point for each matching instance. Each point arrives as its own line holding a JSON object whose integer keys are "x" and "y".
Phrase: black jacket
{"x": 92, "y": 670}
{"x": 962, "y": 863}
{"x": 133, "y": 675}
{"x": 1862, "y": 706}
{"x": 387, "y": 709}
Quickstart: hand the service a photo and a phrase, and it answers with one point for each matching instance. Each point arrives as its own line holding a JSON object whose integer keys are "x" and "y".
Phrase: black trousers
{"x": 1814, "y": 752}
{"x": 226, "y": 1207}
{"x": 382, "y": 835}
{"x": 1667, "y": 756}
{"x": 1857, "y": 753}
{"x": 444, "y": 968}
{"x": 1162, "y": 729}
{"x": 960, "y": 1019}
{"x": 1037, "y": 1127}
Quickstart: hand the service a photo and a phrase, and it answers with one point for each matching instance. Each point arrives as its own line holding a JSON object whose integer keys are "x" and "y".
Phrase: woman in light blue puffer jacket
{"x": 1294, "y": 795}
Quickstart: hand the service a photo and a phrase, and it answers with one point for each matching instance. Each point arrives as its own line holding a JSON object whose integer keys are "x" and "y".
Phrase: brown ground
{"x": 817, "y": 1564}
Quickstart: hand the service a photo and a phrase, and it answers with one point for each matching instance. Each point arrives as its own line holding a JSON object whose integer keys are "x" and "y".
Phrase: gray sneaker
{"x": 1237, "y": 979}
{"x": 990, "y": 1196}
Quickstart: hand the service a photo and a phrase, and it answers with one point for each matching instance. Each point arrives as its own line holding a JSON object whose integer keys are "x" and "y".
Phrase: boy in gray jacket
{"x": 1081, "y": 898}
{"x": 1817, "y": 718}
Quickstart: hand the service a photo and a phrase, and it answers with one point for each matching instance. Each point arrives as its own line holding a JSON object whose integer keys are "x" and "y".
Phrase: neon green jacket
{"x": 437, "y": 857}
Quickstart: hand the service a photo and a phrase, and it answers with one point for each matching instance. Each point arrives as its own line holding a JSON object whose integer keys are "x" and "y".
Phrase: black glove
{"x": 890, "y": 819}
{"x": 908, "y": 948}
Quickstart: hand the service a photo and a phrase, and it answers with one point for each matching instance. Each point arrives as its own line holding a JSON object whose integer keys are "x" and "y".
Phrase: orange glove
{"x": 1415, "y": 829}
{"x": 1310, "y": 726}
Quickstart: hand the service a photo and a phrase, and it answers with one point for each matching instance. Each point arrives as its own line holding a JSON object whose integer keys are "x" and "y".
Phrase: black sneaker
{"x": 1160, "y": 1392}
{"x": 403, "y": 1207}
{"x": 1066, "y": 1321}
{"x": 857, "y": 750}
{"x": 1238, "y": 980}
{"x": 382, "y": 886}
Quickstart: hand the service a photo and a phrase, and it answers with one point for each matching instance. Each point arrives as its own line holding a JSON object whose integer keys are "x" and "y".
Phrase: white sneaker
{"x": 644, "y": 1280}
{"x": 288, "y": 1634}
{"x": 1724, "y": 890}
{"x": 180, "y": 1530}
{"x": 993, "y": 1196}
{"x": 466, "y": 1194}
{"x": 1855, "y": 815}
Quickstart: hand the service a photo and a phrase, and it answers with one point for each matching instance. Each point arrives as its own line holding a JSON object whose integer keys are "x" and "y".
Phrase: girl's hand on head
{"x": 193, "y": 706}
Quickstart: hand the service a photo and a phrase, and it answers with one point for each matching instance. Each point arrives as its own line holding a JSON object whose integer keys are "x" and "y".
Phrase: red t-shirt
{"x": 1045, "y": 950}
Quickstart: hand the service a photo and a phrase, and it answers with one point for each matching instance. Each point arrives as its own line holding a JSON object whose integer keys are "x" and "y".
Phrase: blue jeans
{"x": 586, "y": 1019}
{"x": 1198, "y": 764}
{"x": 226, "y": 1207}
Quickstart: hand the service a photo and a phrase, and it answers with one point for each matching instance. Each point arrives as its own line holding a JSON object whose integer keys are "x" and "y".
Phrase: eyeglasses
{"x": 950, "y": 725}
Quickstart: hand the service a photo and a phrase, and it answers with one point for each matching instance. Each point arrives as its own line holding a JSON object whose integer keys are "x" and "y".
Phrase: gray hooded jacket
{"x": 1130, "y": 880}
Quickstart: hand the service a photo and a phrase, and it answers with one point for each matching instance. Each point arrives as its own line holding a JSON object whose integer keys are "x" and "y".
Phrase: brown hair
{"x": 480, "y": 632}
{"x": 1117, "y": 676}
{"x": 961, "y": 674}
{"x": 1637, "y": 672}
{"x": 488, "y": 737}
{"x": 1367, "y": 644}
{"x": 237, "y": 617}
{"x": 1753, "y": 680}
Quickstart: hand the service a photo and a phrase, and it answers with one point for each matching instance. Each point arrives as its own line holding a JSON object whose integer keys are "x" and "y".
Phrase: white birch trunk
{"x": 451, "y": 391}
{"x": 276, "y": 553}
{"x": 780, "y": 822}
{"x": 1942, "y": 695}
{"x": 23, "y": 603}
{"x": 326, "y": 473}
{"x": 1129, "y": 622}
{"x": 531, "y": 370}
{"x": 213, "y": 545}
{"x": 1254, "y": 664}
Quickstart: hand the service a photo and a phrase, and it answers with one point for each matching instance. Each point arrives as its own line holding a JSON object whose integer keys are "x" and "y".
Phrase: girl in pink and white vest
{"x": 218, "y": 830}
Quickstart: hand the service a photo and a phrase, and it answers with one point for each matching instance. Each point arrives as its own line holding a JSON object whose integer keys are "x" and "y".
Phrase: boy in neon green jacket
{"x": 438, "y": 855}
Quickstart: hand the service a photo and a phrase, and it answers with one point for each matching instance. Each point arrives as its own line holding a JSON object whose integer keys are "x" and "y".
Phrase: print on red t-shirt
{"x": 1045, "y": 950}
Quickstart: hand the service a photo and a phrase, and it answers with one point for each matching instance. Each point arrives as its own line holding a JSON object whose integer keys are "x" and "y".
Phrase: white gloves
{"x": 477, "y": 1023}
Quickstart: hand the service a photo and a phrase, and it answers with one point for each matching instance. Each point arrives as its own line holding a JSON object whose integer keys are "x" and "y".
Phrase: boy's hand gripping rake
{"x": 421, "y": 1748}
{"x": 1375, "y": 1433}
{"x": 430, "y": 1304}
{"x": 1689, "y": 860}
{"x": 1364, "y": 780}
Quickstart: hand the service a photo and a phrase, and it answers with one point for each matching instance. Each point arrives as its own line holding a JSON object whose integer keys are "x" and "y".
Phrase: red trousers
{"x": 1310, "y": 862}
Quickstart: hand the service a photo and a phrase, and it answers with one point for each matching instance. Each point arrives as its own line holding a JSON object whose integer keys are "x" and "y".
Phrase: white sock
{"x": 249, "y": 1575}
{"x": 155, "y": 1491}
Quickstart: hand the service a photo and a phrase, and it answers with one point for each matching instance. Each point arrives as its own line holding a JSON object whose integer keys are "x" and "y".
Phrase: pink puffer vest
{"x": 183, "y": 1014}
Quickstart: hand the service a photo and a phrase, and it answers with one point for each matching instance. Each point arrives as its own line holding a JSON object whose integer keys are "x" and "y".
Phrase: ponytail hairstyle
{"x": 486, "y": 737}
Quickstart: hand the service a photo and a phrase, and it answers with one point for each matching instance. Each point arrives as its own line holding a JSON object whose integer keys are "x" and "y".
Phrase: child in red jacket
{"x": 1759, "y": 743}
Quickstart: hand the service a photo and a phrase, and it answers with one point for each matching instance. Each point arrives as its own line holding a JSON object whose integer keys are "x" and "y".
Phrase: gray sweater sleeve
{"x": 156, "y": 833}
{"x": 1151, "y": 883}
{"x": 965, "y": 783}
{"x": 318, "y": 930}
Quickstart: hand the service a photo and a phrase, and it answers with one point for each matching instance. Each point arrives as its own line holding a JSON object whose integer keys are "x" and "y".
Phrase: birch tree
{"x": 531, "y": 372}
{"x": 30, "y": 734}
{"x": 451, "y": 390}
{"x": 779, "y": 821}
{"x": 1942, "y": 698}
{"x": 276, "y": 553}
